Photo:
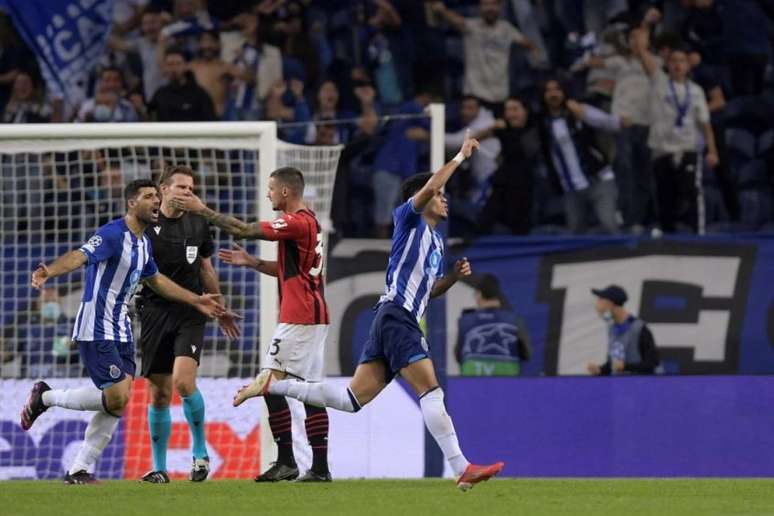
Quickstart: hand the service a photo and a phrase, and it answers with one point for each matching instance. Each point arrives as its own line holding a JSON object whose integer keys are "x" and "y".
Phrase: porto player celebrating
{"x": 118, "y": 257}
{"x": 298, "y": 344}
{"x": 396, "y": 344}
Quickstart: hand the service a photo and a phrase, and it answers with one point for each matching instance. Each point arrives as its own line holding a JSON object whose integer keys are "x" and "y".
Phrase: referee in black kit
{"x": 172, "y": 334}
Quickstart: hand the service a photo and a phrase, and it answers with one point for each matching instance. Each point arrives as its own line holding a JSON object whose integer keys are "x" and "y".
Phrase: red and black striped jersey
{"x": 300, "y": 264}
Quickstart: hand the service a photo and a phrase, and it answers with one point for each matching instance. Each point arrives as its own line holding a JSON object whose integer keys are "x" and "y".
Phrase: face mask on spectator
{"x": 102, "y": 113}
{"x": 51, "y": 311}
{"x": 607, "y": 316}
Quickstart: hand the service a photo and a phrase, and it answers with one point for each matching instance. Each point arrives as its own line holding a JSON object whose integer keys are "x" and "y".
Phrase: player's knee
{"x": 161, "y": 398}
{"x": 185, "y": 386}
{"x": 116, "y": 403}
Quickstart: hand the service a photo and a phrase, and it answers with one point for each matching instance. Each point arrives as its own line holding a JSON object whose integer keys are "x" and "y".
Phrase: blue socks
{"x": 160, "y": 424}
{"x": 193, "y": 407}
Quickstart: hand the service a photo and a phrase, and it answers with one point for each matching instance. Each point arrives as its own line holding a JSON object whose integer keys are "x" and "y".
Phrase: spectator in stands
{"x": 190, "y": 19}
{"x": 577, "y": 166}
{"x": 398, "y": 158}
{"x": 182, "y": 99}
{"x": 294, "y": 37}
{"x": 679, "y": 117}
{"x": 630, "y": 346}
{"x": 14, "y": 57}
{"x": 487, "y": 40}
{"x": 509, "y": 206}
{"x": 260, "y": 66}
{"x": 212, "y": 73}
{"x": 287, "y": 103}
{"x": 148, "y": 47}
{"x": 491, "y": 339}
{"x": 384, "y": 24}
{"x": 27, "y": 104}
{"x": 108, "y": 103}
{"x": 631, "y": 100}
{"x": 470, "y": 190}
{"x": 328, "y": 109}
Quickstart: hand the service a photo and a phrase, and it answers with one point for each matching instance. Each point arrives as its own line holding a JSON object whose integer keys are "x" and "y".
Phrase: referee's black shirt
{"x": 179, "y": 244}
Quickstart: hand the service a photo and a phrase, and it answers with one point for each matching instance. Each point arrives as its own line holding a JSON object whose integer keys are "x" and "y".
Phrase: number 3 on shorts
{"x": 274, "y": 347}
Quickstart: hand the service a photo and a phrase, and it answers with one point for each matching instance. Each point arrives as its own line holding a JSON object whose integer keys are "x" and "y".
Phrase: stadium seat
{"x": 753, "y": 174}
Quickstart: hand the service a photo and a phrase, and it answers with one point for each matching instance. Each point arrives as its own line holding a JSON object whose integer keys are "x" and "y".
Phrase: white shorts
{"x": 298, "y": 350}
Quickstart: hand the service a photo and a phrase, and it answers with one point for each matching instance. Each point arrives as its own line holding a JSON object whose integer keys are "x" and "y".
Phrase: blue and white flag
{"x": 67, "y": 36}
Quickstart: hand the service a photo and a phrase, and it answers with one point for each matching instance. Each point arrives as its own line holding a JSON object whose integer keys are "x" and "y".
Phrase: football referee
{"x": 173, "y": 334}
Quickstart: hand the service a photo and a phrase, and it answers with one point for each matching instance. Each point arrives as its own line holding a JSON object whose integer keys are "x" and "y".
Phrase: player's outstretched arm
{"x": 227, "y": 223}
{"x": 461, "y": 269}
{"x": 439, "y": 179}
{"x": 66, "y": 263}
{"x": 242, "y": 258}
{"x": 227, "y": 321}
{"x": 208, "y": 304}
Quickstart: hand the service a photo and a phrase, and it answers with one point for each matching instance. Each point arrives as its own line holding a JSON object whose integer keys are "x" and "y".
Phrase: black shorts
{"x": 168, "y": 332}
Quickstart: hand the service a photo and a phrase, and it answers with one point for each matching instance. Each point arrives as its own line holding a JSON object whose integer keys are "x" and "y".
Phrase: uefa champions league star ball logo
{"x": 114, "y": 372}
{"x": 95, "y": 241}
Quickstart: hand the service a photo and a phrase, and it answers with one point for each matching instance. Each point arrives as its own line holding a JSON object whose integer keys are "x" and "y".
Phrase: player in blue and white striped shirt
{"x": 396, "y": 344}
{"x": 118, "y": 257}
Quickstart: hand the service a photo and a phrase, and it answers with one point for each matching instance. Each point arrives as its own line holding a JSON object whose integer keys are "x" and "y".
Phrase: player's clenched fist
{"x": 39, "y": 276}
{"x": 468, "y": 145}
{"x": 462, "y": 268}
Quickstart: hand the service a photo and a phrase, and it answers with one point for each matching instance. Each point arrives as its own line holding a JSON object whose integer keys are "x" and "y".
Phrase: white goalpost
{"x": 58, "y": 184}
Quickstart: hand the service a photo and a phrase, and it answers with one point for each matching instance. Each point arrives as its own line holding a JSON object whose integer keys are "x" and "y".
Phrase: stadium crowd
{"x": 570, "y": 99}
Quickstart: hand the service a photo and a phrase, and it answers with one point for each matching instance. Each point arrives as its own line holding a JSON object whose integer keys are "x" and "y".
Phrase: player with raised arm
{"x": 172, "y": 333}
{"x": 396, "y": 344}
{"x": 298, "y": 343}
{"x": 118, "y": 257}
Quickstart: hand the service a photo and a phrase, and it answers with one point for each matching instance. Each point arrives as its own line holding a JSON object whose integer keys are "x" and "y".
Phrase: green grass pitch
{"x": 393, "y": 497}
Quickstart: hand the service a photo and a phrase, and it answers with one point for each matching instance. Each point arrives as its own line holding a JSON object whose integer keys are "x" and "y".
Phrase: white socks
{"x": 440, "y": 425}
{"x": 98, "y": 434}
{"x": 319, "y": 394}
{"x": 82, "y": 398}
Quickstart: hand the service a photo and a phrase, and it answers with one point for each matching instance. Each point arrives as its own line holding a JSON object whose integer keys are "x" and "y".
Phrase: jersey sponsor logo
{"x": 278, "y": 224}
{"x": 157, "y": 229}
{"x": 95, "y": 241}
{"x": 114, "y": 372}
{"x": 191, "y": 251}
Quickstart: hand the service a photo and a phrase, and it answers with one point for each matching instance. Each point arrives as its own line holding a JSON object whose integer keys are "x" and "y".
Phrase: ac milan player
{"x": 297, "y": 348}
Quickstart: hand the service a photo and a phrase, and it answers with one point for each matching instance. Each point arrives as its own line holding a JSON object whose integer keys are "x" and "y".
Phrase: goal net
{"x": 59, "y": 184}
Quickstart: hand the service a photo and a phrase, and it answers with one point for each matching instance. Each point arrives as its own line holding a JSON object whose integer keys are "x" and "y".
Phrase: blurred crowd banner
{"x": 708, "y": 301}
{"x": 67, "y": 36}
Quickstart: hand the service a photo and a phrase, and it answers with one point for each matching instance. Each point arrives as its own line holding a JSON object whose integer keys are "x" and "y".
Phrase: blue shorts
{"x": 395, "y": 339}
{"x": 107, "y": 361}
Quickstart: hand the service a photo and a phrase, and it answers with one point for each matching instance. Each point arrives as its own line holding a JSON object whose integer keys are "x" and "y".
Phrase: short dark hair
{"x": 470, "y": 97}
{"x": 171, "y": 170}
{"x": 489, "y": 287}
{"x": 290, "y": 177}
{"x": 175, "y": 51}
{"x": 114, "y": 69}
{"x": 414, "y": 184}
{"x": 133, "y": 188}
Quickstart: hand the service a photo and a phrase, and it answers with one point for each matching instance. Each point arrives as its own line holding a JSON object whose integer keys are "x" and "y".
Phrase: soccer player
{"x": 118, "y": 257}
{"x": 298, "y": 344}
{"x": 396, "y": 344}
{"x": 172, "y": 333}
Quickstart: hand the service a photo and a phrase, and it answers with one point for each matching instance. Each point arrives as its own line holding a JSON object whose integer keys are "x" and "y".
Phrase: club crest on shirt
{"x": 191, "y": 251}
{"x": 114, "y": 372}
{"x": 434, "y": 260}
